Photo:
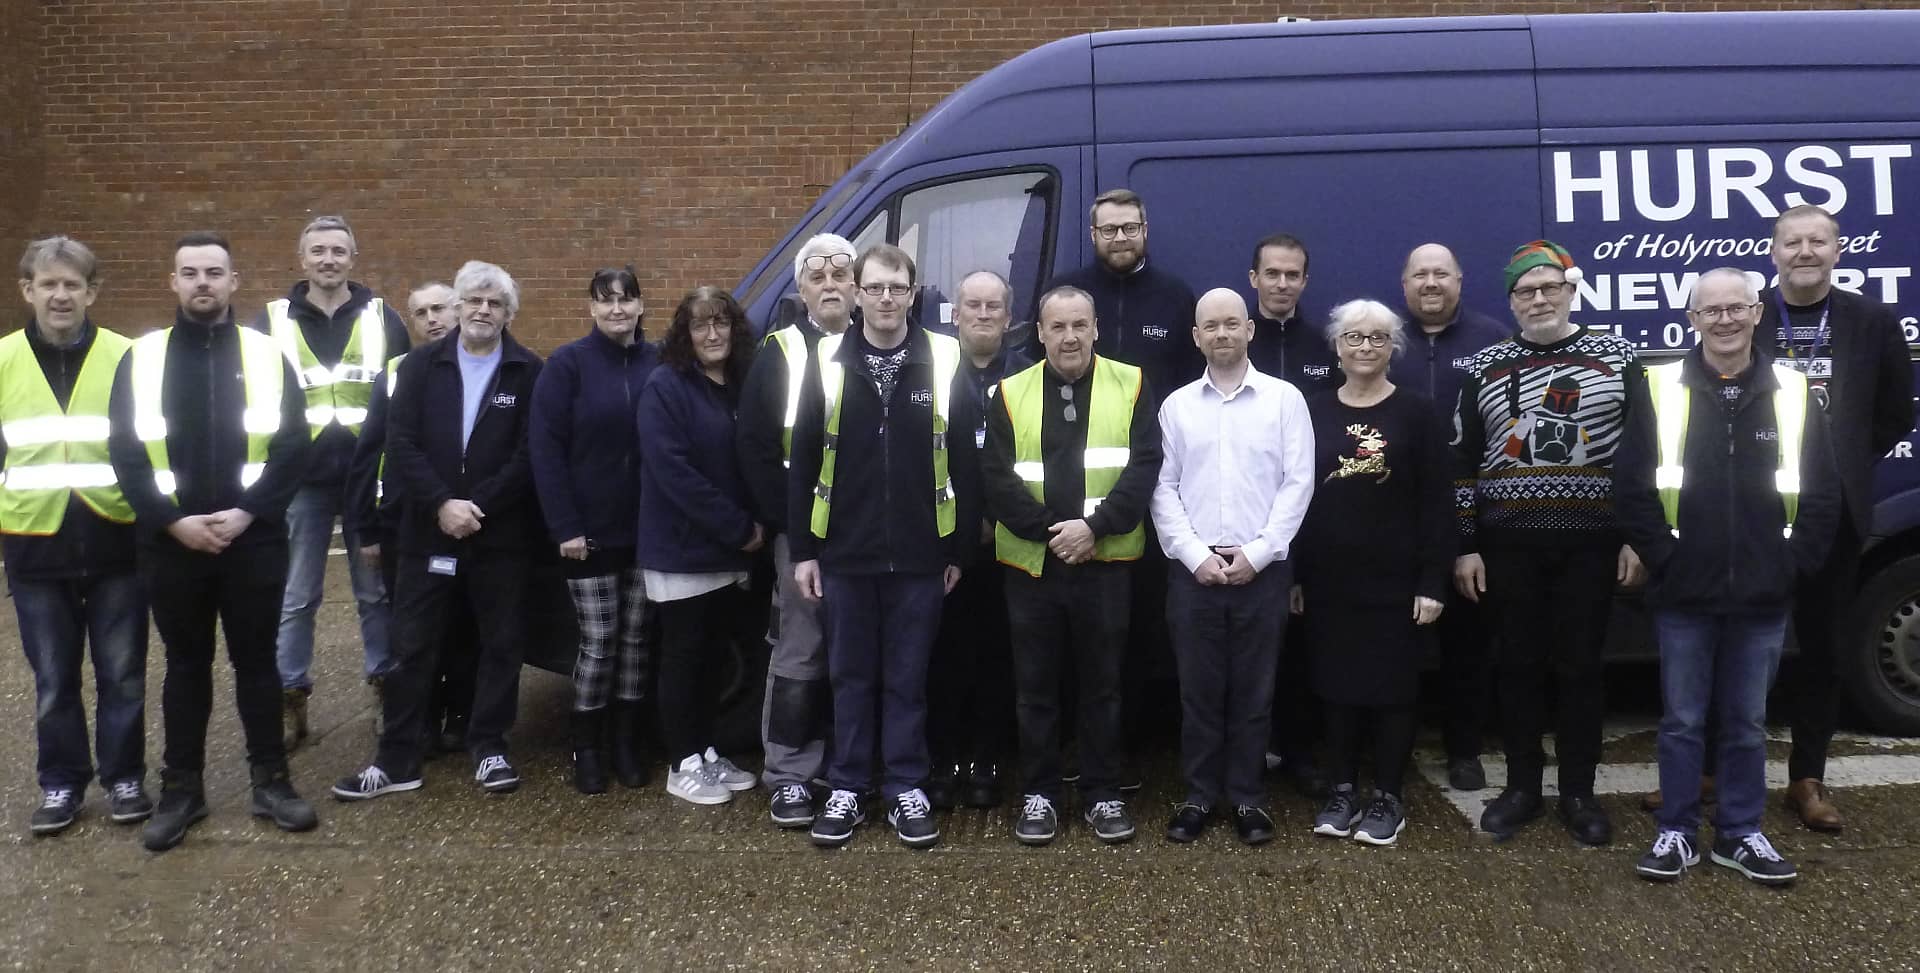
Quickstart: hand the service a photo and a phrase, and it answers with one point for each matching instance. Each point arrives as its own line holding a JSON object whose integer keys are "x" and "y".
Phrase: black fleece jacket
{"x": 882, "y": 518}
{"x": 493, "y": 469}
{"x": 1730, "y": 554}
{"x": 202, "y": 398}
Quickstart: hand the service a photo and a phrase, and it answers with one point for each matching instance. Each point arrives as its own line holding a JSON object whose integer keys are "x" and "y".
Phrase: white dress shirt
{"x": 1238, "y": 469}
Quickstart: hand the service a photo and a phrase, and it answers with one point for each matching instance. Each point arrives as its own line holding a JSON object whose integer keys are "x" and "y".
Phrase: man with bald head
{"x": 1068, "y": 467}
{"x": 970, "y": 685}
{"x": 1234, "y": 484}
{"x": 1434, "y": 364}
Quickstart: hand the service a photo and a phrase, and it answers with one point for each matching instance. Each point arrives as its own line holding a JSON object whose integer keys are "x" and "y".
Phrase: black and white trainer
{"x": 58, "y": 807}
{"x": 1752, "y": 855}
{"x": 127, "y": 802}
{"x": 370, "y": 783}
{"x": 496, "y": 775}
{"x": 1669, "y": 858}
{"x": 1039, "y": 823}
{"x": 1110, "y": 822}
{"x": 912, "y": 819}
{"x": 835, "y": 824}
{"x": 791, "y": 806}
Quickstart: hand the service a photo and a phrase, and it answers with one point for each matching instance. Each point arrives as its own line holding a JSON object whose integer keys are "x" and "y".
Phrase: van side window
{"x": 997, "y": 222}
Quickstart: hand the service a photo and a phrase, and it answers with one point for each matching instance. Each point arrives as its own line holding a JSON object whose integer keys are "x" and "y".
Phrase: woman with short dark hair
{"x": 697, "y": 534}
{"x": 586, "y": 467}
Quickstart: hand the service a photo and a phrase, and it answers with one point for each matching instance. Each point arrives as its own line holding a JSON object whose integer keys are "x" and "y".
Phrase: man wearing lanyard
{"x": 1855, "y": 358}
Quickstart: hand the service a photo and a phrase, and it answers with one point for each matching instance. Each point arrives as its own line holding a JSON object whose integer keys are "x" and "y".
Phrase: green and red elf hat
{"x": 1540, "y": 253}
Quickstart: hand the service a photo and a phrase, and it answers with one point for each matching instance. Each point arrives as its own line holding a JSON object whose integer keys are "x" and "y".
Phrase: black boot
{"x": 589, "y": 760}
{"x": 274, "y": 797}
{"x": 183, "y": 803}
{"x": 629, "y": 765}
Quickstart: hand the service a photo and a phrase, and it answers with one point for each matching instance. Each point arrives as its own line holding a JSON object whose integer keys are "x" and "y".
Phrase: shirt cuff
{"x": 1260, "y": 554}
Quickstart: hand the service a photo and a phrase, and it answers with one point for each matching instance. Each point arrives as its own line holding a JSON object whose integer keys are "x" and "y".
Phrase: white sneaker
{"x": 731, "y": 777}
{"x": 697, "y": 782}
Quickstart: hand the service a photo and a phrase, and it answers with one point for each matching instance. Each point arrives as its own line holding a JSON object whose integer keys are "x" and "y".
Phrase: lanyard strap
{"x": 1786, "y": 334}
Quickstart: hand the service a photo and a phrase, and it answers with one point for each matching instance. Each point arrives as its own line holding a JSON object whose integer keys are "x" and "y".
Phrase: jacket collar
{"x": 181, "y": 320}
{"x": 40, "y": 344}
{"x": 297, "y": 304}
{"x": 1758, "y": 377}
{"x": 919, "y": 348}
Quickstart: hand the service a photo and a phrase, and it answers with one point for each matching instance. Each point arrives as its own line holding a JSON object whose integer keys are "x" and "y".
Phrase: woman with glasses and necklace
{"x": 1371, "y": 566}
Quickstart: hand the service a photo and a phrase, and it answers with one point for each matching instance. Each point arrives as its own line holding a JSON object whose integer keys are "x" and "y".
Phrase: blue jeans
{"x": 309, "y": 534}
{"x": 1727, "y": 661}
{"x": 59, "y": 621}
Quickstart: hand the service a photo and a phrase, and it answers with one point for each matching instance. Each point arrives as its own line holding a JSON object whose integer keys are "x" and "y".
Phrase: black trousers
{"x": 1550, "y": 608}
{"x": 1463, "y": 680}
{"x": 1296, "y": 718}
{"x": 458, "y": 651}
{"x": 694, "y": 633}
{"x": 491, "y": 585}
{"x": 1226, "y": 640}
{"x": 1069, "y": 620}
{"x": 1820, "y": 621}
{"x": 970, "y": 685}
{"x": 239, "y": 589}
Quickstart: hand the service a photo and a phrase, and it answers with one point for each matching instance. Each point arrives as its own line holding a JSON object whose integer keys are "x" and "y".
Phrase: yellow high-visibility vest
{"x": 833, "y": 380}
{"x": 339, "y": 394}
{"x": 55, "y": 454}
{"x": 262, "y": 374}
{"x": 1671, "y": 402}
{"x": 1115, "y": 394}
{"x": 793, "y": 348}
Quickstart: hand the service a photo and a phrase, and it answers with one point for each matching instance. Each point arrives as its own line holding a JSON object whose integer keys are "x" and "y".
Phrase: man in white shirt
{"x": 1234, "y": 486}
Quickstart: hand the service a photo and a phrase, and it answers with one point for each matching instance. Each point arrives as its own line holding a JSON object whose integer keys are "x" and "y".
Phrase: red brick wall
{"x": 552, "y": 138}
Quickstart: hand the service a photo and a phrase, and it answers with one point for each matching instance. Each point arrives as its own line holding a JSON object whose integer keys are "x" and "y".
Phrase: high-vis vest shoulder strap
{"x": 53, "y": 453}
{"x": 262, "y": 376}
{"x": 339, "y": 394}
{"x": 1671, "y": 402}
{"x": 833, "y": 377}
{"x": 793, "y": 349}
{"x": 1115, "y": 394}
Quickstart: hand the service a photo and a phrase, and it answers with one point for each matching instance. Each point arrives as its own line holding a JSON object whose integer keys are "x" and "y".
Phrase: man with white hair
{"x": 1725, "y": 484}
{"x": 1233, "y": 488}
{"x": 457, "y": 447}
{"x": 794, "y": 717}
{"x": 338, "y": 335}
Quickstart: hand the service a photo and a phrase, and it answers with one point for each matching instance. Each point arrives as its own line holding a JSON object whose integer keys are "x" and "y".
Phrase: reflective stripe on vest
{"x": 1115, "y": 394}
{"x": 833, "y": 378}
{"x": 339, "y": 394}
{"x": 1672, "y": 400}
{"x": 55, "y": 454}
{"x": 261, "y": 374}
{"x": 793, "y": 348}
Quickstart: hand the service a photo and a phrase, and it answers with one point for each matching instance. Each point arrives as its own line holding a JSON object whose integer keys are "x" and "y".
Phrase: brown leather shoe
{"x": 1808, "y": 798}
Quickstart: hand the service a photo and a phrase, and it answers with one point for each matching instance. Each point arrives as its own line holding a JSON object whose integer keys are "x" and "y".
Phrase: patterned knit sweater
{"x": 1535, "y": 429}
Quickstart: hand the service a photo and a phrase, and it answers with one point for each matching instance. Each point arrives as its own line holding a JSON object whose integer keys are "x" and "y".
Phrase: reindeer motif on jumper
{"x": 1369, "y": 455}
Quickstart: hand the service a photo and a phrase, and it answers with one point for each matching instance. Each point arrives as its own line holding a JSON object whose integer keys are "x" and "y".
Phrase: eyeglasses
{"x": 1355, "y": 339}
{"x": 1722, "y": 312}
{"x": 825, "y": 260}
{"x": 710, "y": 320}
{"x": 886, "y": 290}
{"x": 1548, "y": 291}
{"x": 1131, "y": 231}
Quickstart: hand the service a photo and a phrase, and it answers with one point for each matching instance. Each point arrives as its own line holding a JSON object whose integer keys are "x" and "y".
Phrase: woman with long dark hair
{"x": 586, "y": 468}
{"x": 697, "y": 536}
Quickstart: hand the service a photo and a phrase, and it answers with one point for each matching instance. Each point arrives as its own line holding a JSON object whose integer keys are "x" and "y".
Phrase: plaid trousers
{"x": 610, "y": 609}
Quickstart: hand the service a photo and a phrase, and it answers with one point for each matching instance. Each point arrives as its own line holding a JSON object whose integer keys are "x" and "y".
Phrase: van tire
{"x": 1879, "y": 666}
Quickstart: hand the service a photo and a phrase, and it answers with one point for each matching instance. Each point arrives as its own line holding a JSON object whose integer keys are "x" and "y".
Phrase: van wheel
{"x": 1881, "y": 675}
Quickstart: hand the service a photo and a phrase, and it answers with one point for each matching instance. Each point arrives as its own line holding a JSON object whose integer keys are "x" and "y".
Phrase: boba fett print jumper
{"x": 1535, "y": 430}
